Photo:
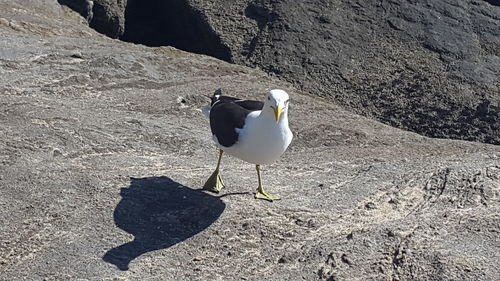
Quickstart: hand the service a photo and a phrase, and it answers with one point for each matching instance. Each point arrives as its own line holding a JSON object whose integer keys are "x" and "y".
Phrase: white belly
{"x": 261, "y": 141}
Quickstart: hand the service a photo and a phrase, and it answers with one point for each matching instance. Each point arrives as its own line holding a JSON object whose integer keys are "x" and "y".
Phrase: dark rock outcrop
{"x": 105, "y": 16}
{"x": 424, "y": 66}
{"x": 172, "y": 23}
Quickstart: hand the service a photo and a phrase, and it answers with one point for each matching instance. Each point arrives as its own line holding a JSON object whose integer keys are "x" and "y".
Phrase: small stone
{"x": 324, "y": 19}
{"x": 346, "y": 259}
{"x": 77, "y": 55}
{"x": 370, "y": 206}
{"x": 393, "y": 201}
{"x": 56, "y": 153}
{"x": 312, "y": 223}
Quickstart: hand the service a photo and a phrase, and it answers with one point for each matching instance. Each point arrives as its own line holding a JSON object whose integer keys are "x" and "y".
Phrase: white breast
{"x": 261, "y": 141}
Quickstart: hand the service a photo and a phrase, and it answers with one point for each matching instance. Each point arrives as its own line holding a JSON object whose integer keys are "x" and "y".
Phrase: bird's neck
{"x": 283, "y": 118}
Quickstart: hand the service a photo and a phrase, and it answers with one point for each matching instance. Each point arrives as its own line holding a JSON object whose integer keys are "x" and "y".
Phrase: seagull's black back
{"x": 229, "y": 113}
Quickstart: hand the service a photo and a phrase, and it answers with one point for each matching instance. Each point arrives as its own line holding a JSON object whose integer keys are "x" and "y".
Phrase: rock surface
{"x": 432, "y": 67}
{"x": 105, "y": 16}
{"x": 103, "y": 152}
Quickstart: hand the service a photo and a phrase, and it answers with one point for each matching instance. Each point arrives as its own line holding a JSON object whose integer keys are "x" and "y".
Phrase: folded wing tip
{"x": 206, "y": 110}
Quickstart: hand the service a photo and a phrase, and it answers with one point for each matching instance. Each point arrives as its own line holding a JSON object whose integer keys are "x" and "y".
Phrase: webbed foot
{"x": 261, "y": 194}
{"x": 214, "y": 182}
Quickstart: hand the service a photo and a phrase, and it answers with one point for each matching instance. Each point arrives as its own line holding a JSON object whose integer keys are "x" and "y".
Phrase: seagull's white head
{"x": 277, "y": 102}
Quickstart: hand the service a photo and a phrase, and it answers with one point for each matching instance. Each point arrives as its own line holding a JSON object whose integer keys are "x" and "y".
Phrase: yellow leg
{"x": 261, "y": 194}
{"x": 214, "y": 182}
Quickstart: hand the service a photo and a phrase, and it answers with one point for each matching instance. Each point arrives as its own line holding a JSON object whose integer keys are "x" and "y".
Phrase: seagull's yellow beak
{"x": 277, "y": 113}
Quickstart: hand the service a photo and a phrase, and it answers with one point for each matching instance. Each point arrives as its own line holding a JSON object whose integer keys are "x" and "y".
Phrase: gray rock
{"x": 105, "y": 16}
{"x": 102, "y": 156}
{"x": 422, "y": 66}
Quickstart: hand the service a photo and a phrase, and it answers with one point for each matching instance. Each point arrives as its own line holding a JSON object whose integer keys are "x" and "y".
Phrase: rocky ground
{"x": 103, "y": 151}
{"x": 431, "y": 67}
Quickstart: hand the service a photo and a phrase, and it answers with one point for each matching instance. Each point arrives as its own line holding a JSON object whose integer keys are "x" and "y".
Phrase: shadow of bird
{"x": 159, "y": 212}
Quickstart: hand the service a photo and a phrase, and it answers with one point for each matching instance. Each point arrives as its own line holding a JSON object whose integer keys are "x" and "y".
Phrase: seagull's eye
{"x": 268, "y": 98}
{"x": 286, "y": 102}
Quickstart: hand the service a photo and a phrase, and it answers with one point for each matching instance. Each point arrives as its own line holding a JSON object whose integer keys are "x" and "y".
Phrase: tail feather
{"x": 206, "y": 110}
{"x": 213, "y": 99}
{"x": 216, "y": 96}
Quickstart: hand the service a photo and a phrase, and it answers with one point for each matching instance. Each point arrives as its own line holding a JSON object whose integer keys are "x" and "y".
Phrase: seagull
{"x": 253, "y": 131}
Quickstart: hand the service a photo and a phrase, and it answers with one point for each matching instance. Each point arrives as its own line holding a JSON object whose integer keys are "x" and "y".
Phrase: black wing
{"x": 251, "y": 105}
{"x": 247, "y": 104}
{"x": 225, "y": 117}
{"x": 228, "y": 114}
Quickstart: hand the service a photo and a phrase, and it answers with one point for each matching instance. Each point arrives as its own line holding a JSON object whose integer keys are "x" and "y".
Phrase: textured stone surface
{"x": 432, "y": 67}
{"x": 105, "y": 16}
{"x": 103, "y": 150}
